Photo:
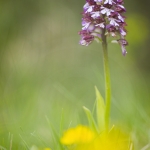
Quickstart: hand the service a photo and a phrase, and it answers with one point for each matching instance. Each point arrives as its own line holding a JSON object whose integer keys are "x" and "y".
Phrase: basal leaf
{"x": 100, "y": 110}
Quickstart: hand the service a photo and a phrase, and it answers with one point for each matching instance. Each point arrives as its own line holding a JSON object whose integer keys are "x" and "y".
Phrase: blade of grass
{"x": 146, "y": 147}
{"x": 26, "y": 145}
{"x": 61, "y": 122}
{"x": 11, "y": 138}
{"x": 39, "y": 139}
{"x": 2, "y": 148}
{"x": 91, "y": 120}
{"x": 55, "y": 135}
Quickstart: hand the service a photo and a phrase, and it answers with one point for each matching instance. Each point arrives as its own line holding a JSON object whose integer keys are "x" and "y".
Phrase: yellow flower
{"x": 78, "y": 135}
{"x": 47, "y": 149}
{"x": 83, "y": 138}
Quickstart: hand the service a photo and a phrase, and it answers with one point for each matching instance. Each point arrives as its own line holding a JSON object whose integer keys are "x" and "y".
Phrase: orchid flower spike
{"x": 105, "y": 15}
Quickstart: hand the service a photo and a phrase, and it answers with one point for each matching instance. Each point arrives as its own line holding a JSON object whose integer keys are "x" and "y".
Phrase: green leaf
{"x": 91, "y": 120}
{"x": 100, "y": 110}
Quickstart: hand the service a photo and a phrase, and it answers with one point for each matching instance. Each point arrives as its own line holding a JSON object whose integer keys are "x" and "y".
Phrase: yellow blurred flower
{"x": 80, "y": 134}
{"x": 83, "y": 138}
{"x": 47, "y": 149}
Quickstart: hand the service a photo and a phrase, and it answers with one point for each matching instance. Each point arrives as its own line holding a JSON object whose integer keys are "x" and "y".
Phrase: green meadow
{"x": 46, "y": 77}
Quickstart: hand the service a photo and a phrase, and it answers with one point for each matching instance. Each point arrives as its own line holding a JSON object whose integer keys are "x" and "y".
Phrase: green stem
{"x": 107, "y": 80}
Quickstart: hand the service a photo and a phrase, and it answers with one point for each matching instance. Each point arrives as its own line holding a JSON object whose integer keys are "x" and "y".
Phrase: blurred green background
{"x": 45, "y": 72}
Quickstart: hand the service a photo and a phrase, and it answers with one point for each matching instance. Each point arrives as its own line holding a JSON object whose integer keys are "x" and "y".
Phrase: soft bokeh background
{"x": 45, "y": 72}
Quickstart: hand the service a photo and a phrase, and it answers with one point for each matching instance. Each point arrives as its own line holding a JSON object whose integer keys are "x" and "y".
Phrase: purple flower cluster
{"x": 103, "y": 15}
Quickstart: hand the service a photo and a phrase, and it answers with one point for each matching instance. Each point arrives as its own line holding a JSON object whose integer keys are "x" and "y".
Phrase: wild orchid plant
{"x": 101, "y": 19}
